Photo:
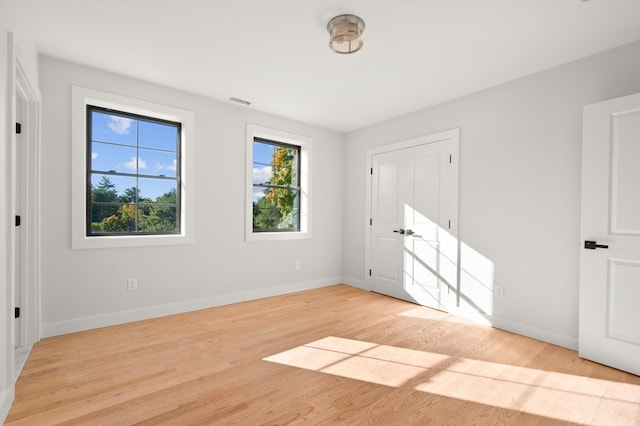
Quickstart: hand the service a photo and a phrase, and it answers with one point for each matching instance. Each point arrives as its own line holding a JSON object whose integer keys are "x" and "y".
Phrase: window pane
{"x": 261, "y": 174}
{"x": 113, "y": 128}
{"x": 110, "y": 186}
{"x": 113, "y": 158}
{"x": 266, "y": 215}
{"x": 263, "y": 152}
{"x": 275, "y": 165}
{"x": 157, "y": 163}
{"x": 262, "y": 163}
{"x": 108, "y": 194}
{"x": 276, "y": 210}
{"x": 158, "y": 136}
{"x": 158, "y": 190}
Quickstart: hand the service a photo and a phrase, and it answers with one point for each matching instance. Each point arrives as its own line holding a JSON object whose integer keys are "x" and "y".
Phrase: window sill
{"x": 129, "y": 241}
{"x": 277, "y": 236}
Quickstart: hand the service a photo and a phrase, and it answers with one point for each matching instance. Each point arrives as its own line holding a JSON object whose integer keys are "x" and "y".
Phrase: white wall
{"x": 12, "y": 18}
{"x": 520, "y": 165}
{"x": 87, "y": 288}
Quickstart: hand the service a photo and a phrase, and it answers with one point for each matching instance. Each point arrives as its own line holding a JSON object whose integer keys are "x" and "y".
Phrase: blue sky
{"x": 127, "y": 145}
{"x": 262, "y": 154}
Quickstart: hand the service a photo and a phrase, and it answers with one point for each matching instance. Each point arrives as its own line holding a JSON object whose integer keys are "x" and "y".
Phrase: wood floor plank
{"x": 335, "y": 355}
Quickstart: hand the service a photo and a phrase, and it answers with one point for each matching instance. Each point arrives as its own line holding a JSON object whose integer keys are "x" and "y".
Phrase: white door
{"x": 610, "y": 231}
{"x": 413, "y": 253}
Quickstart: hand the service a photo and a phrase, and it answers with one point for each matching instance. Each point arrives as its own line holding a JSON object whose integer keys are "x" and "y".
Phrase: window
{"x": 133, "y": 174}
{"x": 277, "y": 185}
{"x": 130, "y": 183}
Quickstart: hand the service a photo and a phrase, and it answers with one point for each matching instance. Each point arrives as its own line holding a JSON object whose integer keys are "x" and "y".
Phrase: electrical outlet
{"x": 132, "y": 284}
{"x": 298, "y": 265}
{"x": 498, "y": 291}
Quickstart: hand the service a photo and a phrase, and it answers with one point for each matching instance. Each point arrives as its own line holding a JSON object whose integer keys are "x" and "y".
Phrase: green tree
{"x": 266, "y": 215}
{"x": 130, "y": 216}
{"x": 161, "y": 215}
{"x": 130, "y": 195}
{"x": 101, "y": 195}
{"x": 114, "y": 223}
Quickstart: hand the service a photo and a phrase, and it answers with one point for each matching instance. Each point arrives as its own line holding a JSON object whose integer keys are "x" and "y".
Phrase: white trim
{"x": 7, "y": 211}
{"x": 6, "y": 400}
{"x": 544, "y": 335}
{"x": 81, "y": 97}
{"x": 108, "y": 319}
{"x": 30, "y": 294}
{"x": 526, "y": 330}
{"x": 306, "y": 147}
{"x": 354, "y": 282}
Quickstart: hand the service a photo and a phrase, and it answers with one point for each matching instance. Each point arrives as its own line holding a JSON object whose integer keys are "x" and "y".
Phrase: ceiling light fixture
{"x": 345, "y": 33}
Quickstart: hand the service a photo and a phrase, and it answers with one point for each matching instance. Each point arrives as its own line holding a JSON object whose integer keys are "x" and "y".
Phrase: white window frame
{"x": 305, "y": 143}
{"x": 81, "y": 97}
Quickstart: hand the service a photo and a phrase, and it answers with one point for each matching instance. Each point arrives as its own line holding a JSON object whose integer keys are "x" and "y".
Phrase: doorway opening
{"x": 25, "y": 195}
{"x": 413, "y": 247}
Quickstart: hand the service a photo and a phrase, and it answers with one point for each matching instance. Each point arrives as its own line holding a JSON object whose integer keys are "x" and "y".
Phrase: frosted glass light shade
{"x": 345, "y": 33}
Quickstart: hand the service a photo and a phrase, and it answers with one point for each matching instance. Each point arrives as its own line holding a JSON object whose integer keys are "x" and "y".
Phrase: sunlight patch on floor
{"x": 545, "y": 393}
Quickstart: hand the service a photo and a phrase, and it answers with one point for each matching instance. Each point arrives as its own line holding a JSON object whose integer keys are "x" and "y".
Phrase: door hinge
{"x": 450, "y": 158}
{"x": 16, "y": 312}
{"x": 372, "y": 170}
{"x": 18, "y": 220}
{"x": 370, "y": 221}
{"x": 449, "y": 224}
{"x": 18, "y": 128}
{"x": 369, "y": 272}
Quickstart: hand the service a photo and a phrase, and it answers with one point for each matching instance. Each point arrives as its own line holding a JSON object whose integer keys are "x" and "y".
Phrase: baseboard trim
{"x": 121, "y": 317}
{"x": 353, "y": 282}
{"x": 548, "y": 336}
{"x": 105, "y": 320}
{"x": 544, "y": 335}
{"x": 6, "y": 400}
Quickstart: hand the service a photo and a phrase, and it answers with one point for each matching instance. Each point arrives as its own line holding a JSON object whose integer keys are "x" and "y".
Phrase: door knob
{"x": 592, "y": 245}
{"x": 408, "y": 232}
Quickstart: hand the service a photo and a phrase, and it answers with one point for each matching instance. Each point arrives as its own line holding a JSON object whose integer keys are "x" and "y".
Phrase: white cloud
{"x": 132, "y": 164}
{"x": 159, "y": 166}
{"x": 119, "y": 125}
{"x": 257, "y": 194}
{"x": 262, "y": 175}
{"x": 94, "y": 155}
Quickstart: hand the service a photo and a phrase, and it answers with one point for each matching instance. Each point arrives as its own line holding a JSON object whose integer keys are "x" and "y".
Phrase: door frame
{"x": 29, "y": 187}
{"x": 451, "y": 134}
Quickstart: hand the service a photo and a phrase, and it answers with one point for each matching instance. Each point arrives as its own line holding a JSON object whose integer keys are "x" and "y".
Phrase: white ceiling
{"x": 416, "y": 53}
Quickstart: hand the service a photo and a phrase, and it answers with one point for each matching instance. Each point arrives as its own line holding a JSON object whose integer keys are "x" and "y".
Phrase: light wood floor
{"x": 336, "y": 355}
